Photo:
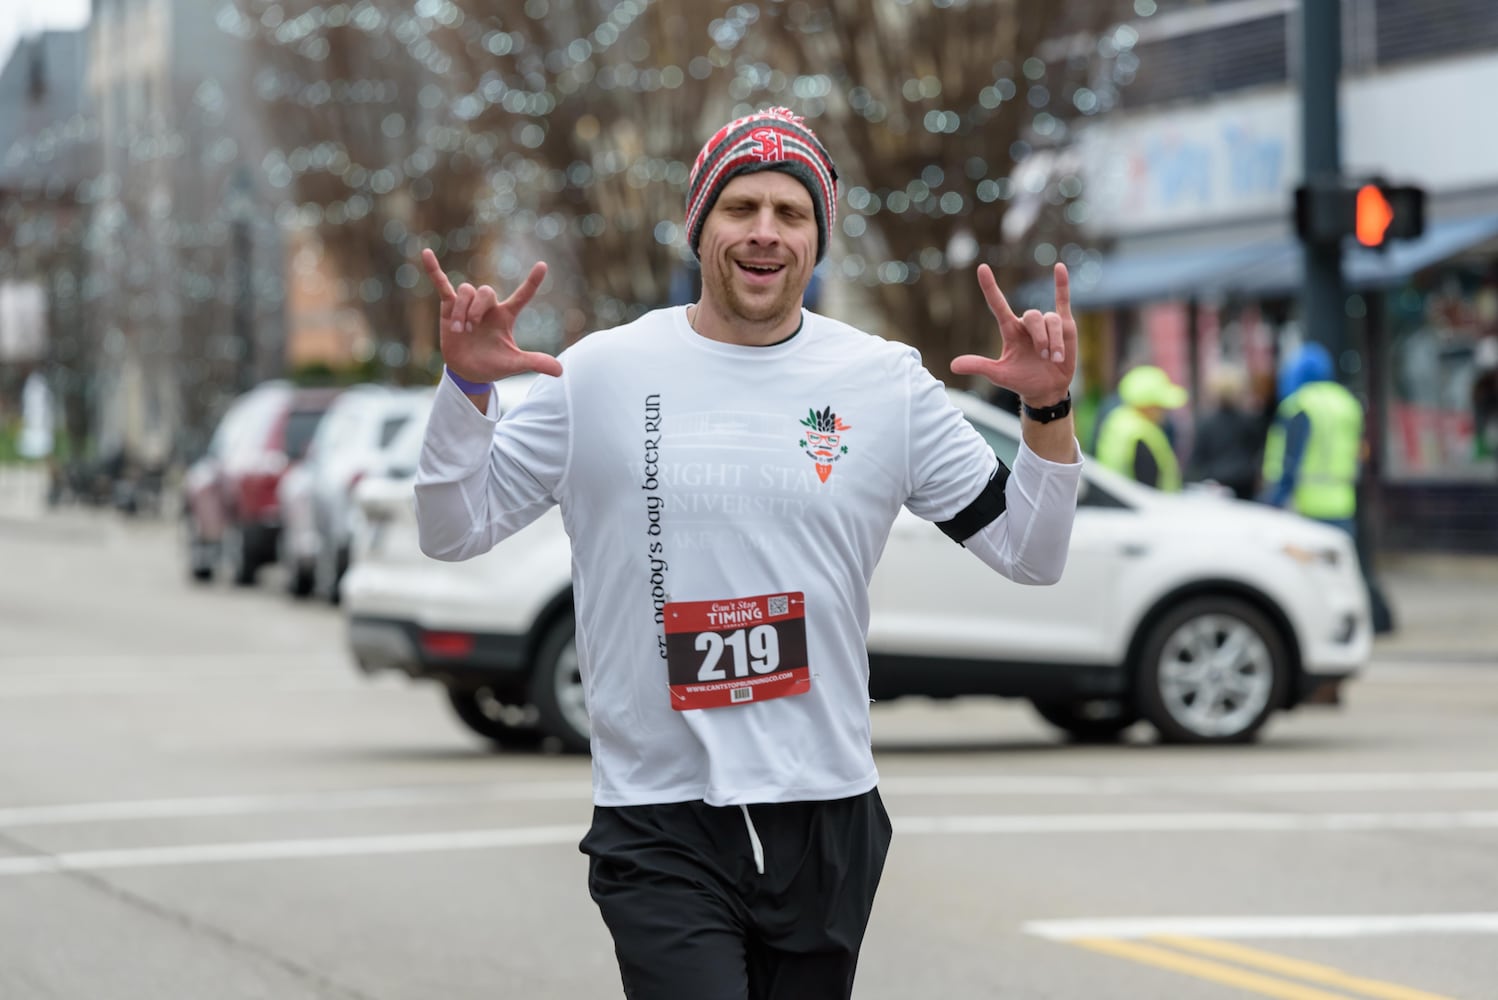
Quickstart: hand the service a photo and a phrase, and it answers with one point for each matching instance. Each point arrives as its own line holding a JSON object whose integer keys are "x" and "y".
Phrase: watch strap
{"x": 1044, "y": 415}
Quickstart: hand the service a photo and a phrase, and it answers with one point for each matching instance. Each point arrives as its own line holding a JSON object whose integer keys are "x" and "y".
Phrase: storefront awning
{"x": 1372, "y": 269}
{"x": 1122, "y": 279}
{"x": 1253, "y": 270}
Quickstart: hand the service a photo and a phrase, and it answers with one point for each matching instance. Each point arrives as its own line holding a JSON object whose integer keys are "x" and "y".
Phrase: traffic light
{"x": 1370, "y": 210}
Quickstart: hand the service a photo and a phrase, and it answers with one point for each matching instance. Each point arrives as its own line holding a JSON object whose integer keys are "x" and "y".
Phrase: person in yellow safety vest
{"x": 1312, "y": 454}
{"x": 1131, "y": 440}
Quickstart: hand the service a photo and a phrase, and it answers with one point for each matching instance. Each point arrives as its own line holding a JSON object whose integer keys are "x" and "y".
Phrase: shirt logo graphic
{"x": 770, "y": 150}
{"x": 822, "y": 440}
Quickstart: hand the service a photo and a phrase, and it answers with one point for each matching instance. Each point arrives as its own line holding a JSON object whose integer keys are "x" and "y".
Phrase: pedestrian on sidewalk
{"x": 1131, "y": 439}
{"x": 728, "y": 471}
{"x": 1314, "y": 454}
{"x": 1229, "y": 440}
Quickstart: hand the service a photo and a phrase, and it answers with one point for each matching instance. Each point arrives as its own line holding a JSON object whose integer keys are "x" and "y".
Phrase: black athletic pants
{"x": 694, "y": 919}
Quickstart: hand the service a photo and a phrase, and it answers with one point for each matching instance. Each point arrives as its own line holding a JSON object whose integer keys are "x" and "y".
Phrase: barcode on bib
{"x": 777, "y": 605}
{"x": 741, "y": 694}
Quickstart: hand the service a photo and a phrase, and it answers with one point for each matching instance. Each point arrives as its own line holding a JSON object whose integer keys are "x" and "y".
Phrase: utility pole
{"x": 1323, "y": 297}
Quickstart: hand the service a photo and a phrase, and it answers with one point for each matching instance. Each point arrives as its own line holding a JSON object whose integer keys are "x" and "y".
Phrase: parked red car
{"x": 229, "y": 502}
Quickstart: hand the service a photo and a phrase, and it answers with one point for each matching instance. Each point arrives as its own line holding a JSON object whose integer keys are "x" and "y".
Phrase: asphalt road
{"x": 201, "y": 798}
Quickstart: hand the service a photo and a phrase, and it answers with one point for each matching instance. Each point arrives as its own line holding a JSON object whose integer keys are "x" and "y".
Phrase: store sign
{"x": 1239, "y": 158}
{"x": 1189, "y": 167}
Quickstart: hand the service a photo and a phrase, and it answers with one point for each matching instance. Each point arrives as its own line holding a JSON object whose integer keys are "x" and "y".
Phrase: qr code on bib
{"x": 778, "y": 605}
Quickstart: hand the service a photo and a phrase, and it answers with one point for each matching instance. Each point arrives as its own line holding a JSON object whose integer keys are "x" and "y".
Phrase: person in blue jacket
{"x": 1314, "y": 453}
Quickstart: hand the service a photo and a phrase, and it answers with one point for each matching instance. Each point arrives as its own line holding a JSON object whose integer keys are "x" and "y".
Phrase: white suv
{"x": 1200, "y": 614}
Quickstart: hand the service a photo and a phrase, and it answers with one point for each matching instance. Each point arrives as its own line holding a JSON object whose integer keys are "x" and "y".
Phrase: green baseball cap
{"x": 1150, "y": 386}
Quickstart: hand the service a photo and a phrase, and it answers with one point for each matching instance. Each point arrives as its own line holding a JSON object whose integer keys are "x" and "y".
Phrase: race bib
{"x": 736, "y": 651}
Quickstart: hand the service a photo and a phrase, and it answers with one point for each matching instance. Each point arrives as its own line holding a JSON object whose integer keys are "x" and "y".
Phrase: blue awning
{"x": 1394, "y": 266}
{"x": 1123, "y": 279}
{"x": 1264, "y": 268}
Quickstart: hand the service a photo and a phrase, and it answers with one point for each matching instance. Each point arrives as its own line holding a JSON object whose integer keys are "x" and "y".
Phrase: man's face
{"x": 758, "y": 247}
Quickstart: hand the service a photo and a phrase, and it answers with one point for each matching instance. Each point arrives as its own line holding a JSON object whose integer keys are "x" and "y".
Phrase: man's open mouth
{"x": 762, "y": 268}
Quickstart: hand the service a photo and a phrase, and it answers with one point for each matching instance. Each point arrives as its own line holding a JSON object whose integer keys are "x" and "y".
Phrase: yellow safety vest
{"x": 1122, "y": 430}
{"x": 1326, "y": 482}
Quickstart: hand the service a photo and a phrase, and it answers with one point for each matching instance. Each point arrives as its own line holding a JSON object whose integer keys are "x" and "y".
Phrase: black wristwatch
{"x": 1049, "y": 413}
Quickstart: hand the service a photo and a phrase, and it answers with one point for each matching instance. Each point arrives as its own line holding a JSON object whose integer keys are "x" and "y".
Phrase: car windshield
{"x": 404, "y": 448}
{"x": 390, "y": 427}
{"x": 1006, "y": 446}
{"x": 300, "y": 426}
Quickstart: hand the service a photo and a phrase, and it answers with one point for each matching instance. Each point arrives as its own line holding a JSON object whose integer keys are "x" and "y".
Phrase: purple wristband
{"x": 469, "y": 388}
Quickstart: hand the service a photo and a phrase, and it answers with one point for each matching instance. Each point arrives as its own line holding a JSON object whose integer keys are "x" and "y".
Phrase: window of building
{"x": 1441, "y": 383}
{"x": 1216, "y": 61}
{"x": 1406, "y": 30}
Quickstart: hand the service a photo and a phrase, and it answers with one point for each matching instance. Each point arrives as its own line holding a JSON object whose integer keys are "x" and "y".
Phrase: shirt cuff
{"x": 1027, "y": 456}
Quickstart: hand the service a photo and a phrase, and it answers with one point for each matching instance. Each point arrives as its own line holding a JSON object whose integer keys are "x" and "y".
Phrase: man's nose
{"x": 765, "y": 229}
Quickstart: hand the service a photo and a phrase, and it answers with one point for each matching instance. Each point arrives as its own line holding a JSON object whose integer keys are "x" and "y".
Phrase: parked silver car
{"x": 317, "y": 508}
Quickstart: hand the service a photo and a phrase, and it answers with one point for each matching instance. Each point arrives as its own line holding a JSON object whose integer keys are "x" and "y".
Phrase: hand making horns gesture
{"x": 1040, "y": 349}
{"x": 477, "y": 333}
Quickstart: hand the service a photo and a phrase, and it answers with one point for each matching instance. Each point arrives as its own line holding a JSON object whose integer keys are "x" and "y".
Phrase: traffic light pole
{"x": 1323, "y": 297}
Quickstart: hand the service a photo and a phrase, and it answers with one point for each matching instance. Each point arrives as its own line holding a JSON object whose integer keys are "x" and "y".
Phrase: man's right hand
{"x": 477, "y": 331}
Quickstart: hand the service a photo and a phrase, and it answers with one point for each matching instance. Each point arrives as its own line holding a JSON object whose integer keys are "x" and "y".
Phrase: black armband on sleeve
{"x": 983, "y": 511}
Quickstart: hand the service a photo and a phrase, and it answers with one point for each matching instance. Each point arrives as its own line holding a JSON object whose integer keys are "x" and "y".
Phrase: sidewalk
{"x": 1445, "y": 607}
{"x": 23, "y": 491}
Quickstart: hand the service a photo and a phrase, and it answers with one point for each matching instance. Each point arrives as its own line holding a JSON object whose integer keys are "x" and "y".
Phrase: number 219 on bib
{"x": 737, "y": 650}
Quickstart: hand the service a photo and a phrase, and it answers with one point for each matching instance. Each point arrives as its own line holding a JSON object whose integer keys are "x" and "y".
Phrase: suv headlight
{"x": 1312, "y": 555}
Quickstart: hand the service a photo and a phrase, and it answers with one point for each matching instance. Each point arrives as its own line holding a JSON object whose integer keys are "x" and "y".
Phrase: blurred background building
{"x": 47, "y": 153}
{"x": 1189, "y": 188}
{"x": 184, "y": 292}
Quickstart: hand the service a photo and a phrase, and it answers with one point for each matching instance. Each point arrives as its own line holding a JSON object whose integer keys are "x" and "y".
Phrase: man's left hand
{"x": 1040, "y": 349}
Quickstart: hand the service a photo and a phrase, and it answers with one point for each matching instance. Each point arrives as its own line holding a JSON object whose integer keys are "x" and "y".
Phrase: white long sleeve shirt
{"x": 689, "y": 470}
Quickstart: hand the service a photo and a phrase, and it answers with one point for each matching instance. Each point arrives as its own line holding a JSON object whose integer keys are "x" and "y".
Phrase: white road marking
{"x": 1188, "y": 822}
{"x": 1266, "y": 927}
{"x": 246, "y": 805}
{"x": 147, "y": 857}
{"x": 1349, "y": 781}
{"x": 281, "y": 850}
{"x": 188, "y": 679}
{"x": 549, "y": 791}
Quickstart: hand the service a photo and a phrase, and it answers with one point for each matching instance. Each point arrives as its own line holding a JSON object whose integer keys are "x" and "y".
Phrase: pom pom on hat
{"x": 775, "y": 139}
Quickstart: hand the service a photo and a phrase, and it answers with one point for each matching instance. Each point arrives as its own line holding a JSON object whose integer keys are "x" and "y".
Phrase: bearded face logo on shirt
{"x": 822, "y": 439}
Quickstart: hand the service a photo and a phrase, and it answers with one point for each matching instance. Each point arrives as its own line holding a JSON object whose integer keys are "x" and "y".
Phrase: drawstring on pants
{"x": 759, "y": 851}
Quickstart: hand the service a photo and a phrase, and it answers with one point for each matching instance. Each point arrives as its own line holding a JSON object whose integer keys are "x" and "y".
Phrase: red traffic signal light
{"x": 1374, "y": 214}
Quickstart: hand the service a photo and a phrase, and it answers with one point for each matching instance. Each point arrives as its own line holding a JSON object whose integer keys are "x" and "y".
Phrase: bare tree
{"x": 368, "y": 145}
{"x": 493, "y": 132}
{"x": 933, "y": 108}
{"x": 502, "y": 131}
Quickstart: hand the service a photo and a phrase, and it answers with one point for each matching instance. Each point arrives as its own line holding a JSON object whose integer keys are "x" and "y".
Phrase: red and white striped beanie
{"x": 776, "y": 139}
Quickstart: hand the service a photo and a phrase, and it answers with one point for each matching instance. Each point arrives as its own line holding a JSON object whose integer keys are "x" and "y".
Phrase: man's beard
{"x": 759, "y": 310}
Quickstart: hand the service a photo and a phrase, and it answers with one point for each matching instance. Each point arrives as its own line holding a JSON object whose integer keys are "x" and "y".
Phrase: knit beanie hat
{"x": 776, "y": 139}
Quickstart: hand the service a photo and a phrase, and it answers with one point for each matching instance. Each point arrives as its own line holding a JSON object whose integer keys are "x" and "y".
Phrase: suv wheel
{"x": 296, "y": 574}
{"x": 557, "y": 687}
{"x": 511, "y": 727}
{"x": 201, "y": 555}
{"x": 1095, "y": 720}
{"x": 1212, "y": 671}
{"x": 237, "y": 548}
